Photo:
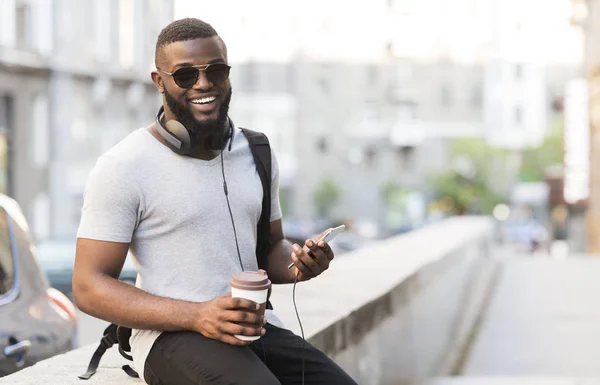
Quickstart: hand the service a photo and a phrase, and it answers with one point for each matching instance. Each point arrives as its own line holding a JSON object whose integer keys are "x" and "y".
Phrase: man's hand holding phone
{"x": 314, "y": 258}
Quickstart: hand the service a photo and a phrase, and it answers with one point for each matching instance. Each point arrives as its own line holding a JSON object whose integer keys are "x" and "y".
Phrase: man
{"x": 172, "y": 212}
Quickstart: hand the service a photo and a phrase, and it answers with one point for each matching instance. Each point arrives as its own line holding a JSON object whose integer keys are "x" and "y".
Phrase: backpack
{"x": 261, "y": 151}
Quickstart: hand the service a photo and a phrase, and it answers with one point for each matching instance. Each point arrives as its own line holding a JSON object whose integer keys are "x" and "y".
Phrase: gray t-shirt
{"x": 172, "y": 209}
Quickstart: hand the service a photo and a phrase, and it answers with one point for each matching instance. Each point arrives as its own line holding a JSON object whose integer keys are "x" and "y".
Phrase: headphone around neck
{"x": 178, "y": 137}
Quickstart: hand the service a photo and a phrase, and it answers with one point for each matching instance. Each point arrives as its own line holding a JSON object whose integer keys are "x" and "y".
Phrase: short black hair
{"x": 183, "y": 30}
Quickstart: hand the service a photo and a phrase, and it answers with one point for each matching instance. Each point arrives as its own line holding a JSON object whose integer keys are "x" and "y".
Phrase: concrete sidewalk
{"x": 514, "y": 381}
{"x": 543, "y": 320}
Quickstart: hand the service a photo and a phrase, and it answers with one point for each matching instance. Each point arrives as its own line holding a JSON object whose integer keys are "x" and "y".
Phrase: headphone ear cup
{"x": 179, "y": 131}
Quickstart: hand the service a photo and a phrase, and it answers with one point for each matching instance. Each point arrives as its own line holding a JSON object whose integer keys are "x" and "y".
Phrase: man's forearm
{"x": 112, "y": 300}
{"x": 279, "y": 260}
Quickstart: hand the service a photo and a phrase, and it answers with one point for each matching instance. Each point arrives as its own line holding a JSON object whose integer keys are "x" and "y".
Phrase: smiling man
{"x": 162, "y": 194}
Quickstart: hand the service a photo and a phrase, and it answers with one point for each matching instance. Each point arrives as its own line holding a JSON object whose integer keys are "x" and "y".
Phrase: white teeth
{"x": 204, "y": 100}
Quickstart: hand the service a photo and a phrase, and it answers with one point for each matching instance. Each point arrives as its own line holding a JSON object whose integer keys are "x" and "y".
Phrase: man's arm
{"x": 98, "y": 292}
{"x": 283, "y": 253}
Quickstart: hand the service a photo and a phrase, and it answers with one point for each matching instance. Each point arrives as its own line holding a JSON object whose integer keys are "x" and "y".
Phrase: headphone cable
{"x": 230, "y": 213}
{"x": 300, "y": 323}
{"x": 242, "y": 266}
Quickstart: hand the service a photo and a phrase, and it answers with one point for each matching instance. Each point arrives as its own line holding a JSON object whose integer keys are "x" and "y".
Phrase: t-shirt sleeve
{"x": 275, "y": 205}
{"x": 111, "y": 203}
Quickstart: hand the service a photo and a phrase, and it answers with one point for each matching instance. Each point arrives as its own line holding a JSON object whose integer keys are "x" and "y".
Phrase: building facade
{"x": 75, "y": 80}
{"x": 380, "y": 89}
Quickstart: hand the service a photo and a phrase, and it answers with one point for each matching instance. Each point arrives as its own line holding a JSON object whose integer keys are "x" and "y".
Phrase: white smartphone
{"x": 332, "y": 233}
{"x": 328, "y": 236}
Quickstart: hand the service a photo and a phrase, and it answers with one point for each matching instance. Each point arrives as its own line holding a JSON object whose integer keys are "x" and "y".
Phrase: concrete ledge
{"x": 388, "y": 314}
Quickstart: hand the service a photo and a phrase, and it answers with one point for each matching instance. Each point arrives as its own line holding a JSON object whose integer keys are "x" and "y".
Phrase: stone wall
{"x": 398, "y": 312}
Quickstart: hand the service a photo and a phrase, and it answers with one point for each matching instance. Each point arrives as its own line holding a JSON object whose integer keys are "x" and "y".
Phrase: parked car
{"x": 57, "y": 258}
{"x": 36, "y": 321}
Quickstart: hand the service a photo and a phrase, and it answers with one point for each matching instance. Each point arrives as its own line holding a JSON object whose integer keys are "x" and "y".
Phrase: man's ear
{"x": 158, "y": 81}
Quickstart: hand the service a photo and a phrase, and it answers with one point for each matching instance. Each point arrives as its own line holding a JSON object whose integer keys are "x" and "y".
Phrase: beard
{"x": 200, "y": 130}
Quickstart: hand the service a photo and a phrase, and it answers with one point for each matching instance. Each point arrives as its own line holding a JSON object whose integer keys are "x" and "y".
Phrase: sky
{"x": 360, "y": 30}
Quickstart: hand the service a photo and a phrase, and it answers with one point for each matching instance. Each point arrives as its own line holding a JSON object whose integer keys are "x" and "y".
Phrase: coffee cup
{"x": 252, "y": 285}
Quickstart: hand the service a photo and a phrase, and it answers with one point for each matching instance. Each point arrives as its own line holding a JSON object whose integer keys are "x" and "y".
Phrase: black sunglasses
{"x": 186, "y": 77}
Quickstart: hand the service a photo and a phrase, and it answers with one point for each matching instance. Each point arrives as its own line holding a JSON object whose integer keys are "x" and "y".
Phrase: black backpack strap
{"x": 108, "y": 340}
{"x": 261, "y": 151}
{"x": 123, "y": 335}
{"x": 110, "y": 337}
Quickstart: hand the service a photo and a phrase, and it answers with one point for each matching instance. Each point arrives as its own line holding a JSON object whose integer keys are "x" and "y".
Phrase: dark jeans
{"x": 189, "y": 358}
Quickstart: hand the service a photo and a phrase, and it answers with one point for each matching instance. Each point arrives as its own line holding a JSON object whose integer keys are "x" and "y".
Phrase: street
{"x": 90, "y": 329}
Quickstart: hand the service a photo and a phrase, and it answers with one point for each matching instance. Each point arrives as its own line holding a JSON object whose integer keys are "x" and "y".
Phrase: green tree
{"x": 326, "y": 194}
{"x": 477, "y": 178}
{"x": 537, "y": 160}
{"x": 392, "y": 195}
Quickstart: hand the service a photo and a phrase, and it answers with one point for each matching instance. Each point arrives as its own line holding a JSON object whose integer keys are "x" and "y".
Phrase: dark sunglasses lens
{"x": 186, "y": 77}
{"x": 217, "y": 73}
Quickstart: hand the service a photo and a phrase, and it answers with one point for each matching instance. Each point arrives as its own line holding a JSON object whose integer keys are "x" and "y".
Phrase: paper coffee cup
{"x": 252, "y": 285}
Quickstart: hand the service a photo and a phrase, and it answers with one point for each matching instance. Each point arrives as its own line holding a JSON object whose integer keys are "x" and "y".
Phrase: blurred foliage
{"x": 284, "y": 201}
{"x": 493, "y": 171}
{"x": 537, "y": 160}
{"x": 326, "y": 194}
{"x": 467, "y": 186}
{"x": 393, "y": 195}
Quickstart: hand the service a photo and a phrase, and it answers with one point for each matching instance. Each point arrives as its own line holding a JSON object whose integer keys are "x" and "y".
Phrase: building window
{"x": 373, "y": 74}
{"x": 23, "y": 25}
{"x": 40, "y": 151}
{"x": 7, "y": 264}
{"x": 518, "y": 115}
{"x": 324, "y": 79}
{"x": 406, "y": 156}
{"x": 370, "y": 156}
{"x": 404, "y": 72}
{"x": 518, "y": 71}
{"x": 102, "y": 29}
{"x": 322, "y": 144}
{"x": 290, "y": 79}
{"x": 323, "y": 83}
{"x": 126, "y": 38}
{"x": 446, "y": 96}
{"x": 477, "y": 96}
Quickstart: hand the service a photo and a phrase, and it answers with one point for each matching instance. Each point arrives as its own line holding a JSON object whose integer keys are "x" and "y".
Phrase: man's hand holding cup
{"x": 226, "y": 316}
{"x": 238, "y": 317}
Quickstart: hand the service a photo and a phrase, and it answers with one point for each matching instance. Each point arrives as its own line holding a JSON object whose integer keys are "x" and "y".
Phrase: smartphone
{"x": 328, "y": 236}
{"x": 332, "y": 233}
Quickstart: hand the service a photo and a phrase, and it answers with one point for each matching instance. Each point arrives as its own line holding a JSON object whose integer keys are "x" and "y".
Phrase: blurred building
{"x": 368, "y": 124}
{"x": 74, "y": 79}
{"x": 362, "y": 93}
{"x": 373, "y": 91}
